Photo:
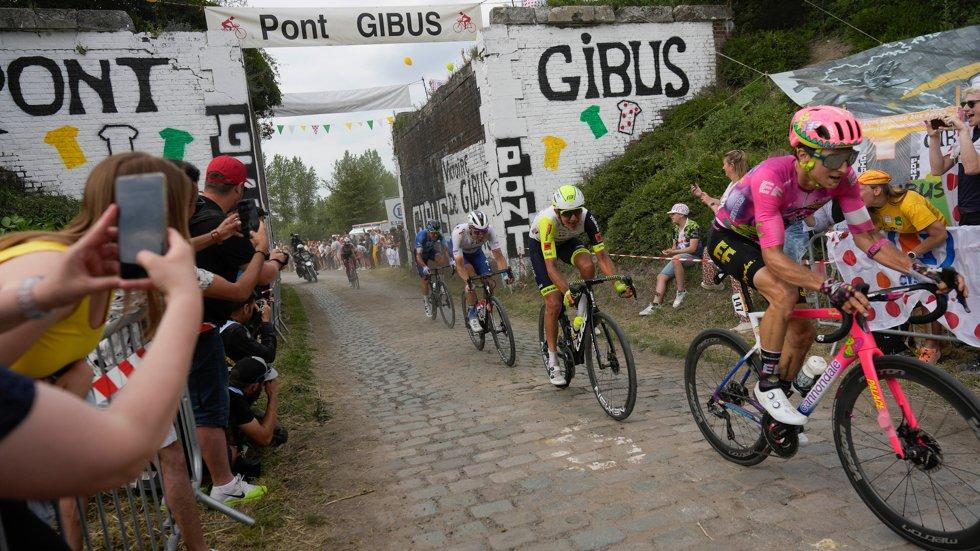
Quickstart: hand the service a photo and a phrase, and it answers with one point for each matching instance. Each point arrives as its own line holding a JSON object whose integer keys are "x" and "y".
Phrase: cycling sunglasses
{"x": 834, "y": 161}
{"x": 568, "y": 213}
{"x": 971, "y": 103}
{"x": 476, "y": 231}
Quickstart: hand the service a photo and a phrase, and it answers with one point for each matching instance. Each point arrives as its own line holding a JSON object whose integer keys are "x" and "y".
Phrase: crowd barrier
{"x": 133, "y": 516}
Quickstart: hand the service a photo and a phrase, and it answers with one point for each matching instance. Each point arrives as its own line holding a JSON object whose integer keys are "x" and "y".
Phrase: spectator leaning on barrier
{"x": 224, "y": 186}
{"x": 905, "y": 211}
{"x": 247, "y": 380}
{"x": 683, "y": 252}
{"x": 966, "y": 155}
{"x": 244, "y": 336}
{"x": 40, "y": 424}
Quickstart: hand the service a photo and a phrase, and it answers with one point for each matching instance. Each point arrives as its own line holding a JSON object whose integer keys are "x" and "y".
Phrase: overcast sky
{"x": 312, "y": 69}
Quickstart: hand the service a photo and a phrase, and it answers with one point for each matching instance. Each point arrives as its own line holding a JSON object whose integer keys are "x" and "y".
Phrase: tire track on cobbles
{"x": 481, "y": 456}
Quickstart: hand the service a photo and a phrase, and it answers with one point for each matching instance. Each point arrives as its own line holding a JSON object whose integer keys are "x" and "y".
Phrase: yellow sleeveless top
{"x": 66, "y": 341}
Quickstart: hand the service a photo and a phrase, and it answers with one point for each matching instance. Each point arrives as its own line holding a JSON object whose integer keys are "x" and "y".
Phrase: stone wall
{"x": 70, "y": 96}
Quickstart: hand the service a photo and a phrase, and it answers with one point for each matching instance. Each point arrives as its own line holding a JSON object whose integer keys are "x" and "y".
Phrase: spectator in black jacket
{"x": 244, "y": 335}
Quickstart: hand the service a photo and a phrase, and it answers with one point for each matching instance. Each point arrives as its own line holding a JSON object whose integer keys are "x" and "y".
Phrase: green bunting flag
{"x": 296, "y": 129}
{"x": 279, "y": 126}
{"x": 371, "y": 124}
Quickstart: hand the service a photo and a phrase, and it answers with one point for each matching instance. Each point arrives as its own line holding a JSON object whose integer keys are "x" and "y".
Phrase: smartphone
{"x": 937, "y": 124}
{"x": 142, "y": 201}
{"x": 248, "y": 216}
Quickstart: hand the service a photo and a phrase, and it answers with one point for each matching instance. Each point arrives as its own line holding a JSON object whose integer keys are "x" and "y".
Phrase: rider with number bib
{"x": 468, "y": 239}
{"x": 430, "y": 245}
{"x": 747, "y": 241}
{"x": 347, "y": 254}
{"x": 555, "y": 235}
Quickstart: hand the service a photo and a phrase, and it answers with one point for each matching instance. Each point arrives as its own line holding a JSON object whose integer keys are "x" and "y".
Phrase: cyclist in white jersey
{"x": 467, "y": 245}
{"x": 555, "y": 235}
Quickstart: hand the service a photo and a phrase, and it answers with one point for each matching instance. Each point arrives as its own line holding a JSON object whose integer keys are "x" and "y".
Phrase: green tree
{"x": 357, "y": 188}
{"x": 293, "y": 196}
{"x": 188, "y": 15}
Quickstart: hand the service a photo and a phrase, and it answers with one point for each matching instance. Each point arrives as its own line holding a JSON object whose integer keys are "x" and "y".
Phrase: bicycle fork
{"x": 867, "y": 355}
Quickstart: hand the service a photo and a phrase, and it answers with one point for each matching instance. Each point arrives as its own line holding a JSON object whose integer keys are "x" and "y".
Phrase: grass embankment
{"x": 280, "y": 516}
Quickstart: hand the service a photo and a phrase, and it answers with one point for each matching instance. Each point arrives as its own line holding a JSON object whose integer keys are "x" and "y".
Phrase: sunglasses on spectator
{"x": 568, "y": 213}
{"x": 834, "y": 161}
{"x": 971, "y": 103}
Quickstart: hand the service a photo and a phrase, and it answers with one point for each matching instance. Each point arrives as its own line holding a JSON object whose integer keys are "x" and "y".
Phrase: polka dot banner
{"x": 962, "y": 252}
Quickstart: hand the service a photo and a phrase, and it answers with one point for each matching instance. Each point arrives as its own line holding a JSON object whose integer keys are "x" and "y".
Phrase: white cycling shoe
{"x": 779, "y": 406}
{"x": 475, "y": 325}
{"x": 556, "y": 375}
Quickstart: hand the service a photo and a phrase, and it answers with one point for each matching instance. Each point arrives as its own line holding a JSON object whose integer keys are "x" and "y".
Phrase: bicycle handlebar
{"x": 577, "y": 287}
{"x": 471, "y": 279}
{"x": 886, "y": 295}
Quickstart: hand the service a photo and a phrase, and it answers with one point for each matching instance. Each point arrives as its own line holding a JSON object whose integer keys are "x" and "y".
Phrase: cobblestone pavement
{"x": 471, "y": 454}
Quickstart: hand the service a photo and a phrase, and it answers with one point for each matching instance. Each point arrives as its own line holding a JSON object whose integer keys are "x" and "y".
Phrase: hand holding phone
{"x": 141, "y": 199}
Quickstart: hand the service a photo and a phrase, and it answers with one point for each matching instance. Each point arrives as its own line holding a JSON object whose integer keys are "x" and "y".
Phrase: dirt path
{"x": 461, "y": 452}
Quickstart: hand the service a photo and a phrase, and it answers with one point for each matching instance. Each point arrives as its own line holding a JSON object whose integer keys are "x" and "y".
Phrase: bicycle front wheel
{"x": 445, "y": 303}
{"x": 609, "y": 359}
{"x": 726, "y": 415}
{"x": 478, "y": 338}
{"x": 503, "y": 337}
{"x": 930, "y": 497}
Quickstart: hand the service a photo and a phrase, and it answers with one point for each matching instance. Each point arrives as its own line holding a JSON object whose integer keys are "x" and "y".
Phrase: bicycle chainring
{"x": 783, "y": 440}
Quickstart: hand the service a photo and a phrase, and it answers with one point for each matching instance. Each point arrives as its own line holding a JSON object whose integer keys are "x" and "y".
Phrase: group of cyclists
{"x": 746, "y": 244}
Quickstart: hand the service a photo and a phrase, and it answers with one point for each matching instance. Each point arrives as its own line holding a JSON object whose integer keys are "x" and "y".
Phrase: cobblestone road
{"x": 469, "y": 454}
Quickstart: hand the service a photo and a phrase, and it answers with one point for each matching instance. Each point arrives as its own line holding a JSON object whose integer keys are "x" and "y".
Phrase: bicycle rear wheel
{"x": 503, "y": 336}
{"x": 565, "y": 356}
{"x": 477, "y": 338}
{"x": 445, "y": 303}
{"x": 726, "y": 416}
{"x": 609, "y": 359}
{"x": 932, "y": 496}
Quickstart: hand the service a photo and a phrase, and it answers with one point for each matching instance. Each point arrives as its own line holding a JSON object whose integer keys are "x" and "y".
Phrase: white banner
{"x": 284, "y": 27}
{"x": 396, "y": 211}
{"x": 962, "y": 252}
{"x": 344, "y": 101}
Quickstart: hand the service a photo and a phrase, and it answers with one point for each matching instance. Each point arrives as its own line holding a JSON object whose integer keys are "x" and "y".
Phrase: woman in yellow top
{"x": 908, "y": 212}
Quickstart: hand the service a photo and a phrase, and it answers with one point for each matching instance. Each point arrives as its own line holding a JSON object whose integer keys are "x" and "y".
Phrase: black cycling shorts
{"x": 566, "y": 252}
{"x": 738, "y": 256}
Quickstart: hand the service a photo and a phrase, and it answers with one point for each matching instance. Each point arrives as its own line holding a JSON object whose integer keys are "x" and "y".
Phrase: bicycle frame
{"x": 858, "y": 345}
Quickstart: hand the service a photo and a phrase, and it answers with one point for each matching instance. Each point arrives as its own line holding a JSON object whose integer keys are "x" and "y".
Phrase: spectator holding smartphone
{"x": 965, "y": 155}
{"x": 224, "y": 186}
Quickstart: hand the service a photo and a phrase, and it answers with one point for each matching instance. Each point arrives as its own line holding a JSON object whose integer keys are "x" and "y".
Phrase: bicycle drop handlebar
{"x": 579, "y": 286}
{"x": 889, "y": 294}
{"x": 471, "y": 279}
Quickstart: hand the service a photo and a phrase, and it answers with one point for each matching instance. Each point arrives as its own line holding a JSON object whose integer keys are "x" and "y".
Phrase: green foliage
{"x": 20, "y": 211}
{"x": 157, "y": 17}
{"x": 356, "y": 191}
{"x": 767, "y": 51}
{"x": 657, "y": 172}
{"x": 293, "y": 197}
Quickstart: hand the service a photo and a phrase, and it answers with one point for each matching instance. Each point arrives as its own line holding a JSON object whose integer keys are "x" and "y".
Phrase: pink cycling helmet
{"x": 824, "y": 127}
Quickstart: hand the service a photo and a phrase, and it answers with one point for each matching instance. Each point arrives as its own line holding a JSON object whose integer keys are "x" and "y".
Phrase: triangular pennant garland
{"x": 326, "y": 128}
{"x": 391, "y": 120}
{"x": 315, "y": 128}
{"x": 279, "y": 126}
{"x": 348, "y": 125}
{"x": 371, "y": 125}
{"x": 302, "y": 127}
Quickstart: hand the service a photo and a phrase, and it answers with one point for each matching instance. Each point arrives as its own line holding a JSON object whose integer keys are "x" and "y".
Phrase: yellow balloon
{"x": 450, "y": 67}
{"x": 408, "y": 61}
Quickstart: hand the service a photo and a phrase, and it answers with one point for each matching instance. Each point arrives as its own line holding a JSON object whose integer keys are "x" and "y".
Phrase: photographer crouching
{"x": 247, "y": 380}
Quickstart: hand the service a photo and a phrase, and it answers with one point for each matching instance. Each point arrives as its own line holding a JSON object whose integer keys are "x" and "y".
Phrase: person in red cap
{"x": 224, "y": 186}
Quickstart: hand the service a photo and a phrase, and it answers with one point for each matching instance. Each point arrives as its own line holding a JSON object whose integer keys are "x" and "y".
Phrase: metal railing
{"x": 134, "y": 516}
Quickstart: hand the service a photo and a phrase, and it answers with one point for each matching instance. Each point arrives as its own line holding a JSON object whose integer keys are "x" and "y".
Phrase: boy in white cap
{"x": 682, "y": 253}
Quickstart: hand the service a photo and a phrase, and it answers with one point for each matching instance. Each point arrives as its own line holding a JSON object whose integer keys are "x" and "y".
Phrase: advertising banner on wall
{"x": 911, "y": 75}
{"x": 395, "y": 210}
{"x": 285, "y": 27}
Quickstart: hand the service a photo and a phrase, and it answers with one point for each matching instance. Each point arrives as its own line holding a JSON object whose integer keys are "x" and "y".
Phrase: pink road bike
{"x": 906, "y": 433}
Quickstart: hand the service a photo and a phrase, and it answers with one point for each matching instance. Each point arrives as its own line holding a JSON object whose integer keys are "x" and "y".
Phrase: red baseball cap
{"x": 227, "y": 170}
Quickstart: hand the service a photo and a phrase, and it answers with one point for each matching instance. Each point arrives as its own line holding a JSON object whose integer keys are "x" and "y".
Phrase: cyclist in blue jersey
{"x": 468, "y": 240}
{"x": 430, "y": 245}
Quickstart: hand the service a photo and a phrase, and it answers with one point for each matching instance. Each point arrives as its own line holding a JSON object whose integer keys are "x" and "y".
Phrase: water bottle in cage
{"x": 812, "y": 368}
{"x": 481, "y": 309}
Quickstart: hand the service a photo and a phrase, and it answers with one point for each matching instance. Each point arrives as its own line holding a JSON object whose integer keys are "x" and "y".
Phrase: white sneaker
{"x": 649, "y": 309}
{"x": 237, "y": 491}
{"x": 556, "y": 375}
{"x": 804, "y": 441}
{"x": 428, "y": 307}
{"x": 779, "y": 406}
{"x": 475, "y": 325}
{"x": 679, "y": 298}
{"x": 744, "y": 327}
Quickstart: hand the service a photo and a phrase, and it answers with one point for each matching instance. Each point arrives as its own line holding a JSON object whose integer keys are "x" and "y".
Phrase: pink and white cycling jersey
{"x": 769, "y": 196}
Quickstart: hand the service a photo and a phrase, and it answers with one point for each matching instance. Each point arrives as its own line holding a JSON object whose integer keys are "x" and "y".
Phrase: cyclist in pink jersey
{"x": 748, "y": 237}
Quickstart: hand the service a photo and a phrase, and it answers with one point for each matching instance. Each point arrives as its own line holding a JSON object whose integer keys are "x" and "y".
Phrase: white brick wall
{"x": 555, "y": 145}
{"x": 199, "y": 90}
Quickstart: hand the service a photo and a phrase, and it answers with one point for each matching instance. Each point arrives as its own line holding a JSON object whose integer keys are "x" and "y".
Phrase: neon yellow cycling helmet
{"x": 568, "y": 197}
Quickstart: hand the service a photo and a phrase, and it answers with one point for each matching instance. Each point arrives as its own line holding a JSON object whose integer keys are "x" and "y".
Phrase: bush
{"x": 34, "y": 211}
{"x": 767, "y": 51}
